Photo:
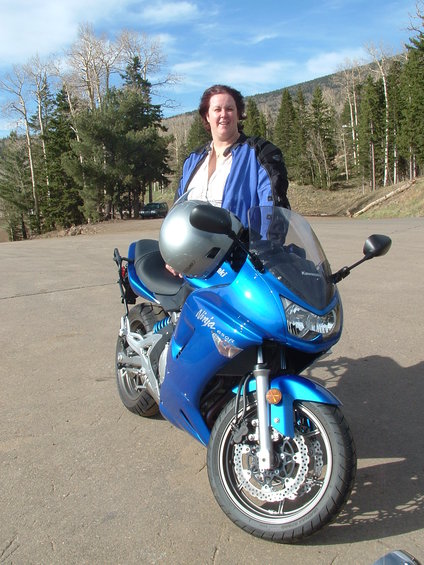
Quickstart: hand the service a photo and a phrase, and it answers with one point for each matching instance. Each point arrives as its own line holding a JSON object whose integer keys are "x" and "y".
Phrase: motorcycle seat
{"x": 150, "y": 268}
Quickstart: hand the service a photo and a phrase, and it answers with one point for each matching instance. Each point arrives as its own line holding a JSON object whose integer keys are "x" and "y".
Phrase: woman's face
{"x": 222, "y": 117}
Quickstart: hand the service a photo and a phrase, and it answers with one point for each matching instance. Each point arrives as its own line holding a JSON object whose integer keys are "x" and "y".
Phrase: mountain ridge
{"x": 269, "y": 102}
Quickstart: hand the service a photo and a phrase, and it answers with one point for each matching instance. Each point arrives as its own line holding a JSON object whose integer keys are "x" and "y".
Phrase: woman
{"x": 233, "y": 171}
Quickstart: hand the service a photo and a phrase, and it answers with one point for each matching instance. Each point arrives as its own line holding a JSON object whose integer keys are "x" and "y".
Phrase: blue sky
{"x": 253, "y": 45}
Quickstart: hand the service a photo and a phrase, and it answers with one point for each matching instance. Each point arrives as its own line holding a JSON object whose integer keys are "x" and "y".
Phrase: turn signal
{"x": 273, "y": 396}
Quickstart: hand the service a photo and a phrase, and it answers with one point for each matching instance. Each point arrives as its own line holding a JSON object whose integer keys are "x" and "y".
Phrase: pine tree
{"x": 413, "y": 101}
{"x": 120, "y": 149}
{"x": 371, "y": 131}
{"x": 16, "y": 85}
{"x": 63, "y": 207}
{"x": 143, "y": 158}
{"x": 15, "y": 187}
{"x": 197, "y": 135}
{"x": 86, "y": 163}
{"x": 303, "y": 169}
{"x": 255, "y": 122}
{"x": 285, "y": 132}
{"x": 321, "y": 142}
{"x": 397, "y": 163}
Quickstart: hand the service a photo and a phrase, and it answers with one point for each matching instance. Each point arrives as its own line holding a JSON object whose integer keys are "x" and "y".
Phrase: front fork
{"x": 265, "y": 453}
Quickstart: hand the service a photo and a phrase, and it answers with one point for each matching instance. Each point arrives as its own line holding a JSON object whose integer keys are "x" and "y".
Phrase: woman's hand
{"x": 173, "y": 271}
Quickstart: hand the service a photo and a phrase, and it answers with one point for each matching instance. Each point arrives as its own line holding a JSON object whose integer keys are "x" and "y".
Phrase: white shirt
{"x": 210, "y": 190}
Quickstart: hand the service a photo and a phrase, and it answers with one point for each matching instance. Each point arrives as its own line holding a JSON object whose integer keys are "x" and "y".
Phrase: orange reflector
{"x": 273, "y": 396}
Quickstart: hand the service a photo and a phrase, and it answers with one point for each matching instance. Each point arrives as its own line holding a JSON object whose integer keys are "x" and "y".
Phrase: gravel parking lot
{"x": 84, "y": 481}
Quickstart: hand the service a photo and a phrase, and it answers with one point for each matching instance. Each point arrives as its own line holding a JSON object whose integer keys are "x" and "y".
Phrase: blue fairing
{"x": 224, "y": 275}
{"x": 217, "y": 310}
{"x": 205, "y": 313}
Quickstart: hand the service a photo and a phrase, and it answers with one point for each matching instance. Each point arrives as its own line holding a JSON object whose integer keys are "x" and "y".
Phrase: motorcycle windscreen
{"x": 289, "y": 249}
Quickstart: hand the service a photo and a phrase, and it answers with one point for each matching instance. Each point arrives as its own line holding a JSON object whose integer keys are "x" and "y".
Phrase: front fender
{"x": 293, "y": 388}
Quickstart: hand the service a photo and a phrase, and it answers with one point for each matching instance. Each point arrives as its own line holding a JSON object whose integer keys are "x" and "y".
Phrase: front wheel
{"x": 311, "y": 478}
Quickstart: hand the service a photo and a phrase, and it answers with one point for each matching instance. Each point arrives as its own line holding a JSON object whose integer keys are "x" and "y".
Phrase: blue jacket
{"x": 258, "y": 176}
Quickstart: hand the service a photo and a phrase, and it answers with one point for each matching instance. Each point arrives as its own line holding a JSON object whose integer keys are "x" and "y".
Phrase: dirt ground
{"x": 84, "y": 481}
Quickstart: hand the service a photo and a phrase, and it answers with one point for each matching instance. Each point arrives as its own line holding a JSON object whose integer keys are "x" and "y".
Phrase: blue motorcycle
{"x": 219, "y": 351}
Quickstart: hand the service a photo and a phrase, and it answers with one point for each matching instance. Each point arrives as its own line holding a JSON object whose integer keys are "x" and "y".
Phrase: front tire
{"x": 311, "y": 480}
{"x": 134, "y": 396}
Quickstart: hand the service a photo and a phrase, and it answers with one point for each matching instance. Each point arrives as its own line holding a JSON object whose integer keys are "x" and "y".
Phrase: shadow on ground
{"x": 383, "y": 404}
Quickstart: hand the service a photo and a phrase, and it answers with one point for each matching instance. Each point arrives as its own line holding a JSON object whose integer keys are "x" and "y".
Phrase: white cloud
{"x": 165, "y": 39}
{"x": 257, "y": 76}
{"x": 328, "y": 63}
{"x": 259, "y": 38}
{"x": 249, "y": 78}
{"x": 170, "y": 12}
{"x": 45, "y": 27}
{"x": 28, "y": 28}
{"x": 189, "y": 67}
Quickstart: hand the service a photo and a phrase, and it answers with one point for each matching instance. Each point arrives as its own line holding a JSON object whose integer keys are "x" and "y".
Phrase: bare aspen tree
{"x": 82, "y": 60}
{"x": 351, "y": 78}
{"x": 110, "y": 56}
{"x": 395, "y": 161}
{"x": 381, "y": 58}
{"x": 16, "y": 85}
{"x": 147, "y": 50}
{"x": 372, "y": 159}
{"x": 346, "y": 164}
{"x": 417, "y": 19}
{"x": 94, "y": 59}
{"x": 107, "y": 59}
{"x": 70, "y": 89}
{"x": 69, "y": 84}
{"x": 150, "y": 55}
{"x": 37, "y": 72}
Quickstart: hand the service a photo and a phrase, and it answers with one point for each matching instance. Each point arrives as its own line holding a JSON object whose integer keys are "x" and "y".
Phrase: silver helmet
{"x": 191, "y": 251}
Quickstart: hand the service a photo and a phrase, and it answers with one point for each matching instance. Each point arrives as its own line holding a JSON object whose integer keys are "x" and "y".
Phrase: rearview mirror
{"x": 376, "y": 245}
{"x": 211, "y": 219}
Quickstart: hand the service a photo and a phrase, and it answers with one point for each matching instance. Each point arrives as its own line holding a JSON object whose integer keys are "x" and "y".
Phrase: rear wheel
{"x": 311, "y": 479}
{"x": 133, "y": 394}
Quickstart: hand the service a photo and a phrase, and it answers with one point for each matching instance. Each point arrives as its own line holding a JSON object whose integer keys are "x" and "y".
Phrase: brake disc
{"x": 277, "y": 484}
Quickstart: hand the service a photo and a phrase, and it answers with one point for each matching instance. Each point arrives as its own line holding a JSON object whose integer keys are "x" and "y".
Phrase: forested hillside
{"x": 355, "y": 124}
{"x": 92, "y": 145}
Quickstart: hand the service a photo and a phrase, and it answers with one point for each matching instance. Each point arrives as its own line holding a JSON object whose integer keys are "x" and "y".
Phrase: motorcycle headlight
{"x": 307, "y": 325}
